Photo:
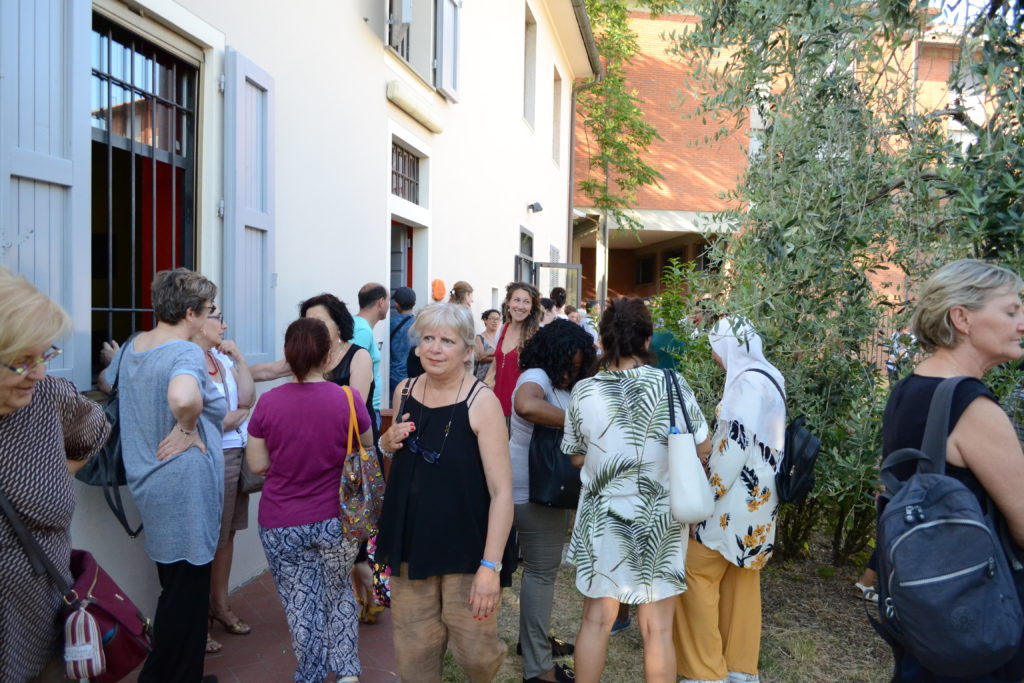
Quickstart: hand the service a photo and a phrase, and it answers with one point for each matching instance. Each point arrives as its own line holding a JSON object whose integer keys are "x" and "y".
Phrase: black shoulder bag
{"x": 106, "y": 467}
{"x": 795, "y": 478}
{"x": 554, "y": 480}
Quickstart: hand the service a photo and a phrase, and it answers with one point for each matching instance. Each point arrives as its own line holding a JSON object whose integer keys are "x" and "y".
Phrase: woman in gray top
{"x": 171, "y": 417}
{"x": 554, "y": 359}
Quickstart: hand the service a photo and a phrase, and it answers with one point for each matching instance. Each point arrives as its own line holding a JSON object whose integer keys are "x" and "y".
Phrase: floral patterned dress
{"x": 742, "y": 473}
{"x": 625, "y": 543}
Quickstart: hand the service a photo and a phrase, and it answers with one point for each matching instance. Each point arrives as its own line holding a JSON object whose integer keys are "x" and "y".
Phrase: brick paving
{"x": 265, "y": 655}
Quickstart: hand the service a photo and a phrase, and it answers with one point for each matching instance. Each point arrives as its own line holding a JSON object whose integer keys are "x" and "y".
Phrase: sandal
{"x": 369, "y": 611}
{"x": 866, "y": 592}
{"x": 212, "y": 646}
{"x": 233, "y": 626}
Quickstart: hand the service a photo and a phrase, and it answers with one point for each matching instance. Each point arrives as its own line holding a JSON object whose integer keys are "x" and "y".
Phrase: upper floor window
{"x": 426, "y": 33}
{"x": 529, "y": 67}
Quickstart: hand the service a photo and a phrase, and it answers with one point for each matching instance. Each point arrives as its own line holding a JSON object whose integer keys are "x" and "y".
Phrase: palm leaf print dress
{"x": 625, "y": 543}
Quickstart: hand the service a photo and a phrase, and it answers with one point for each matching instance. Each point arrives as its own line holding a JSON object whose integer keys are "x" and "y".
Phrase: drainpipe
{"x": 579, "y": 7}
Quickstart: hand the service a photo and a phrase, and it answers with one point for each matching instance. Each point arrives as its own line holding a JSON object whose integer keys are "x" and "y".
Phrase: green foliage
{"x": 851, "y": 178}
{"x": 616, "y": 133}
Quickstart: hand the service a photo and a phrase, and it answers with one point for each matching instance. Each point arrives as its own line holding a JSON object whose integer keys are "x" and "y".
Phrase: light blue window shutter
{"x": 449, "y": 26}
{"x": 249, "y": 279}
{"x": 44, "y": 161}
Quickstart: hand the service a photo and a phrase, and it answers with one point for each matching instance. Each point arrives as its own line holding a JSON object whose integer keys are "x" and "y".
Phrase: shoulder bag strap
{"x": 679, "y": 394}
{"x": 41, "y": 563}
{"x": 351, "y": 416}
{"x": 400, "y": 326}
{"x": 936, "y": 430}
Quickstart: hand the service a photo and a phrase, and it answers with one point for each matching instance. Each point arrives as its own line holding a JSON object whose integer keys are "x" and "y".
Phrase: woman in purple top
{"x": 298, "y": 437}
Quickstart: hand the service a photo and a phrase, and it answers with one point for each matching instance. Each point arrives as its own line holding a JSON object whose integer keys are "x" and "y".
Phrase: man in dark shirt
{"x": 401, "y": 325}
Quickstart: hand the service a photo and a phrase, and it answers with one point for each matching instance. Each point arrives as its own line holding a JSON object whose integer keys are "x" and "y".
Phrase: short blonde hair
{"x": 455, "y": 317}
{"x": 30, "y": 318}
{"x": 969, "y": 283}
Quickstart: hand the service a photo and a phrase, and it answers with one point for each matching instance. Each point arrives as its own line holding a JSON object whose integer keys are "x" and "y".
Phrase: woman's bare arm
{"x": 265, "y": 372}
{"x": 531, "y": 406}
{"x": 985, "y": 442}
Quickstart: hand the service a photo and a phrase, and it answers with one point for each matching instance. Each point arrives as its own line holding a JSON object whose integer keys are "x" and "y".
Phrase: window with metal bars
{"x": 405, "y": 173}
{"x": 143, "y": 175}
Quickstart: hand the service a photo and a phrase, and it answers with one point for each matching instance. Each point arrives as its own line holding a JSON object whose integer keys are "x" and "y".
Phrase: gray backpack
{"x": 946, "y": 594}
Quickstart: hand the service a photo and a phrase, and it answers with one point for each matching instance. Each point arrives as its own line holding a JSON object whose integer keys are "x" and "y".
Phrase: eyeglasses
{"x": 25, "y": 368}
{"x": 219, "y": 317}
{"x": 428, "y": 454}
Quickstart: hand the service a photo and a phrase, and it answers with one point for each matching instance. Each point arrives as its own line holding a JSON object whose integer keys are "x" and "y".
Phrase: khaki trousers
{"x": 718, "y": 619}
{"x": 428, "y": 615}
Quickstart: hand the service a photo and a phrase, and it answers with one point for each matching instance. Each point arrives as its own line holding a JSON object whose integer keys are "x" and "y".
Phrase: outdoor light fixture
{"x": 535, "y": 207}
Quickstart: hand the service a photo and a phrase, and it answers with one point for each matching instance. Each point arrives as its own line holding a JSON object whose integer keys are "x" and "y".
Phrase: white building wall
{"x": 333, "y": 130}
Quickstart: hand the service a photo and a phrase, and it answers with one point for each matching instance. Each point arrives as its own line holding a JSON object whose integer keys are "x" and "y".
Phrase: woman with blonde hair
{"x": 718, "y": 620}
{"x": 969, "y": 317}
{"x": 47, "y": 432}
{"x": 447, "y": 508}
{"x": 522, "y": 320}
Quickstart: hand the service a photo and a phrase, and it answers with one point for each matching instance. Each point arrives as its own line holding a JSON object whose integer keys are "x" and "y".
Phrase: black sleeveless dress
{"x": 435, "y": 515}
{"x": 906, "y": 414}
{"x": 342, "y": 376}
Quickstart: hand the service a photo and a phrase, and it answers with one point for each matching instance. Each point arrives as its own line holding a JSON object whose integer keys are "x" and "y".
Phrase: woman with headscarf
{"x": 718, "y": 620}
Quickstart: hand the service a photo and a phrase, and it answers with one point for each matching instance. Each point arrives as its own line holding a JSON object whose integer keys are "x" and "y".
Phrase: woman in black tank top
{"x": 448, "y": 507}
{"x": 970, "y": 319}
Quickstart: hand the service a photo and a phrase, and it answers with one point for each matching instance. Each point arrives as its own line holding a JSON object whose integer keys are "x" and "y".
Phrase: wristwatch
{"x": 496, "y": 566}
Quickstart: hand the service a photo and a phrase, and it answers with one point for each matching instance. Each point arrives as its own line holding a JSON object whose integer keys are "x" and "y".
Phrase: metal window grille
{"x": 405, "y": 174}
{"x": 143, "y": 167}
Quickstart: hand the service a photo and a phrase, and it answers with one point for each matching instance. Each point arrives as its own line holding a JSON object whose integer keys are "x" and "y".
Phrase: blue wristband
{"x": 493, "y": 566}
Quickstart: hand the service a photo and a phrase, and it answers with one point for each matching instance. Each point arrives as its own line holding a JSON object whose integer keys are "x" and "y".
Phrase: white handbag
{"x": 690, "y": 498}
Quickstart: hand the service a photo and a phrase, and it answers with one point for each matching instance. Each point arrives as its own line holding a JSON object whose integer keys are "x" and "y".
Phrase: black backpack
{"x": 946, "y": 593}
{"x": 106, "y": 467}
{"x": 795, "y": 478}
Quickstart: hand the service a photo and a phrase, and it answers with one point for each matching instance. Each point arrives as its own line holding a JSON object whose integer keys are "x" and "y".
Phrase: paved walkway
{"x": 265, "y": 655}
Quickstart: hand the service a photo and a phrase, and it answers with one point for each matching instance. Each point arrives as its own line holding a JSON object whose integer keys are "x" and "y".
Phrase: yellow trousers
{"x": 718, "y": 618}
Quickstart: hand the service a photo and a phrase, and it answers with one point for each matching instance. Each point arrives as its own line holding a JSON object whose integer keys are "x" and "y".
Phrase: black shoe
{"x": 563, "y": 674}
{"x": 559, "y": 648}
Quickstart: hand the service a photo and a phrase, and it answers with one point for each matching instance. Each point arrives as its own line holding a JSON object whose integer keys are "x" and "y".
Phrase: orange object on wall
{"x": 437, "y": 290}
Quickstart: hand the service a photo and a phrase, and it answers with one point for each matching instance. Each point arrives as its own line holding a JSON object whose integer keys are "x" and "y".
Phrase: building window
{"x": 666, "y": 257}
{"x": 524, "y": 261}
{"x": 405, "y": 174}
{"x": 525, "y": 243}
{"x": 645, "y": 270}
{"x": 530, "y": 68}
{"x": 143, "y": 175}
{"x": 426, "y": 34}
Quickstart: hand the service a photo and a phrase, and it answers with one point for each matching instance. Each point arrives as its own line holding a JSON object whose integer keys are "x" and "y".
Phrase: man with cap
{"x": 404, "y": 300}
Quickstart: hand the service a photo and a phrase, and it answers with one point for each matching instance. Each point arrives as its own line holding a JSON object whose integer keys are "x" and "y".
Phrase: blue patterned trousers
{"x": 312, "y": 568}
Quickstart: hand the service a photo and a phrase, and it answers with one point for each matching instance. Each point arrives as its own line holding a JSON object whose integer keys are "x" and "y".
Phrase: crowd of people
{"x": 458, "y": 513}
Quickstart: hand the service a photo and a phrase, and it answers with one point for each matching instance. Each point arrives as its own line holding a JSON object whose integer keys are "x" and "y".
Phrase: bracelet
{"x": 187, "y": 433}
{"x": 383, "y": 451}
